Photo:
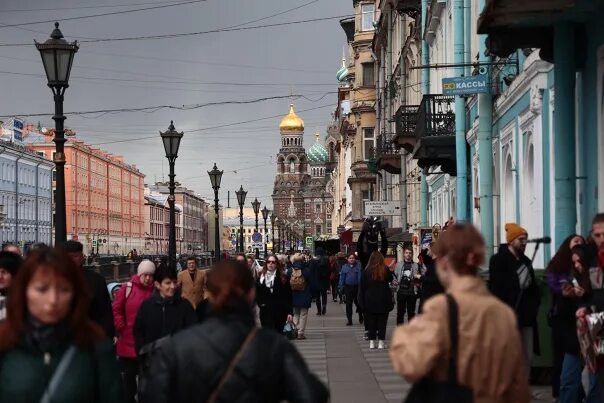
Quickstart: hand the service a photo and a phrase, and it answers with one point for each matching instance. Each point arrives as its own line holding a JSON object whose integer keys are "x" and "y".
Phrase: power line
{"x": 152, "y": 109}
{"x": 24, "y": 10}
{"x": 186, "y": 34}
{"x": 103, "y": 14}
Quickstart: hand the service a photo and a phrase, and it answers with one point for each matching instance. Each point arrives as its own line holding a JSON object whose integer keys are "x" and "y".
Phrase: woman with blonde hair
{"x": 376, "y": 298}
{"x": 466, "y": 337}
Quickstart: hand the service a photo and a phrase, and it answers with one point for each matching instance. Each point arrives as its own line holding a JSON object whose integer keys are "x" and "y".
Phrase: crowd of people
{"x": 218, "y": 334}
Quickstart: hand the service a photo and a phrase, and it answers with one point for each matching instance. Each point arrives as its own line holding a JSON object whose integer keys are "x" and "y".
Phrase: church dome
{"x": 317, "y": 153}
{"x": 291, "y": 122}
{"x": 342, "y": 74}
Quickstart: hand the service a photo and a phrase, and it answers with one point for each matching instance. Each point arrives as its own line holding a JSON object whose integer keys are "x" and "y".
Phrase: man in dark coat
{"x": 164, "y": 313}
{"x": 319, "y": 267}
{"x": 100, "y": 310}
{"x": 512, "y": 280}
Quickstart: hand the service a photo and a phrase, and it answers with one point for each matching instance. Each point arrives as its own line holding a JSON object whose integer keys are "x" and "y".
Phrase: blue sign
{"x": 465, "y": 85}
{"x": 426, "y": 240}
{"x": 256, "y": 237}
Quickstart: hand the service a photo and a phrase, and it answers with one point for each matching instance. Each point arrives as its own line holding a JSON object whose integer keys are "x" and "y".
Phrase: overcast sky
{"x": 177, "y": 71}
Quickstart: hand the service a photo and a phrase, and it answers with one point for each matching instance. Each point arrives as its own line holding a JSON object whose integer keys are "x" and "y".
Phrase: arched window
{"x": 292, "y": 166}
{"x": 509, "y": 203}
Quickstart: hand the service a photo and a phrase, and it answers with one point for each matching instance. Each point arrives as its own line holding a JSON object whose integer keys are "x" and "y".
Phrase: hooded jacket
{"x": 124, "y": 314}
{"x": 190, "y": 364}
{"x": 159, "y": 317}
{"x": 302, "y": 298}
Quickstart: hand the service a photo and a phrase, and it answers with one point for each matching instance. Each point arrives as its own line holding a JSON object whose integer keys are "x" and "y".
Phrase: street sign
{"x": 426, "y": 240}
{"x": 94, "y": 243}
{"x": 382, "y": 208}
{"x": 257, "y": 237}
{"x": 309, "y": 240}
{"x": 234, "y": 242}
{"x": 465, "y": 85}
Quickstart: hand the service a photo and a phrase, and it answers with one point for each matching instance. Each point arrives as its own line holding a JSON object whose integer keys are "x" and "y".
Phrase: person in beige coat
{"x": 490, "y": 360}
{"x": 192, "y": 283}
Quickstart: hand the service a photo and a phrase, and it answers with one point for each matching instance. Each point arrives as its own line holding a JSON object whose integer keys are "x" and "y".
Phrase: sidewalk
{"x": 341, "y": 358}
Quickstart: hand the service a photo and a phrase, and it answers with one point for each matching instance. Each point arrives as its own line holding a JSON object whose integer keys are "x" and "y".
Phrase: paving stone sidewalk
{"x": 341, "y": 358}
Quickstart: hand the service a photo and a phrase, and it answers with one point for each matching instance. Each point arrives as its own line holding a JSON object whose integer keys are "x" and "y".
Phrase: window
{"x": 367, "y": 14}
{"x": 368, "y": 143}
{"x": 318, "y": 229}
{"x": 292, "y": 166}
{"x": 317, "y": 208}
{"x": 368, "y": 75}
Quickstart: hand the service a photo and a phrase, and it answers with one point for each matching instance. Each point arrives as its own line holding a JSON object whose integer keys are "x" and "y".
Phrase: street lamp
{"x": 241, "y": 200}
{"x": 171, "y": 139}
{"x": 215, "y": 178}
{"x": 273, "y": 231}
{"x": 256, "y": 206}
{"x": 265, "y": 213}
{"x": 57, "y": 58}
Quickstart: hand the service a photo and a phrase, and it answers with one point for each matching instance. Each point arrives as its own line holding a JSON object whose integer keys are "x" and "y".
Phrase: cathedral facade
{"x": 303, "y": 189}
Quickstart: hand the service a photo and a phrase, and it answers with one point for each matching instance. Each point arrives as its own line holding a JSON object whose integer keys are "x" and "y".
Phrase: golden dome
{"x": 291, "y": 122}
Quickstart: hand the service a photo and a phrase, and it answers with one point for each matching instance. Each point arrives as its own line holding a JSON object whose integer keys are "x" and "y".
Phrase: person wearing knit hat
{"x": 126, "y": 305}
{"x": 512, "y": 280}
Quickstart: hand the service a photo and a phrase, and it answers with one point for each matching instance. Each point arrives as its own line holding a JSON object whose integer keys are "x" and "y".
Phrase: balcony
{"x": 387, "y": 154}
{"x": 435, "y": 133}
{"x": 410, "y": 7}
{"x": 405, "y": 120}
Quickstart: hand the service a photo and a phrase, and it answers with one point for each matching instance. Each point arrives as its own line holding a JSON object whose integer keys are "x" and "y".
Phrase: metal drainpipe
{"x": 460, "y": 115}
{"x": 2, "y": 240}
{"x": 36, "y": 204}
{"x": 425, "y": 79}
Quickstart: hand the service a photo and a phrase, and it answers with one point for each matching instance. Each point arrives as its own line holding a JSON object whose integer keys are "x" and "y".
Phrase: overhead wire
{"x": 87, "y": 7}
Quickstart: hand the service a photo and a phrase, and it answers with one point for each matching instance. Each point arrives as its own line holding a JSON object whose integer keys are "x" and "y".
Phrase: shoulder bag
{"x": 58, "y": 375}
{"x": 450, "y": 391}
{"x": 214, "y": 396}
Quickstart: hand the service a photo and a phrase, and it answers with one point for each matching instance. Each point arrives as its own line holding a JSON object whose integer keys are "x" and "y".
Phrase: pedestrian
{"x": 407, "y": 274}
{"x": 48, "y": 328}
{"x": 377, "y": 298}
{"x": 300, "y": 283}
{"x": 9, "y": 265}
{"x": 164, "y": 313}
{"x": 319, "y": 267}
{"x": 11, "y": 247}
{"x": 512, "y": 280}
{"x": 487, "y": 357}
{"x": 350, "y": 277}
{"x": 126, "y": 305}
{"x": 227, "y": 358}
{"x": 340, "y": 262}
{"x": 568, "y": 280}
{"x": 100, "y": 304}
{"x": 430, "y": 284}
{"x": 191, "y": 283}
{"x": 333, "y": 277}
{"x": 274, "y": 296}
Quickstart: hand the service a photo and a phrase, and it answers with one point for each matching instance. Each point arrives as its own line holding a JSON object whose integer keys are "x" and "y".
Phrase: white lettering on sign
{"x": 382, "y": 208}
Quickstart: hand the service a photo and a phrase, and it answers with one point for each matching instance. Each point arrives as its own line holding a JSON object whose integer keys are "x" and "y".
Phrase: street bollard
{"x": 116, "y": 269}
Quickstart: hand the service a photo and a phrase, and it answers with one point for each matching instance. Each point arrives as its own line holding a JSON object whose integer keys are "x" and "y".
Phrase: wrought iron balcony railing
{"x": 436, "y": 116}
{"x": 405, "y": 120}
{"x": 385, "y": 145}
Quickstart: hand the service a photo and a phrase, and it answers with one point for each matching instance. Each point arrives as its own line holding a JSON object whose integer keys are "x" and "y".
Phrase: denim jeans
{"x": 570, "y": 381}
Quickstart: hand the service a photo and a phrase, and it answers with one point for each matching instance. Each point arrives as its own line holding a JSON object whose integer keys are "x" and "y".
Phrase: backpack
{"x": 297, "y": 281}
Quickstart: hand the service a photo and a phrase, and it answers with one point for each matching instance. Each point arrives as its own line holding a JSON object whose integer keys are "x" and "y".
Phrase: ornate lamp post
{"x": 256, "y": 207}
{"x": 241, "y": 200}
{"x": 171, "y": 139}
{"x": 215, "y": 178}
{"x": 265, "y": 213}
{"x": 57, "y": 57}
{"x": 273, "y": 219}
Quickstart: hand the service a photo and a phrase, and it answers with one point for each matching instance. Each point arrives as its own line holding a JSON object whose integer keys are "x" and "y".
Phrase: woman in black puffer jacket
{"x": 193, "y": 366}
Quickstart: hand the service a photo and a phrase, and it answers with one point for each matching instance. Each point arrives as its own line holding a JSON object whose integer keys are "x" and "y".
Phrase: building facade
{"x": 104, "y": 195}
{"x": 194, "y": 216}
{"x": 303, "y": 188}
{"x": 157, "y": 224}
{"x": 231, "y": 230}
{"x": 25, "y": 192}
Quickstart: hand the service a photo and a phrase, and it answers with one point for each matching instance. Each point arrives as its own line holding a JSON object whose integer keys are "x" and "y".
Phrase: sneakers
{"x": 301, "y": 337}
{"x": 371, "y": 344}
{"x": 381, "y": 345}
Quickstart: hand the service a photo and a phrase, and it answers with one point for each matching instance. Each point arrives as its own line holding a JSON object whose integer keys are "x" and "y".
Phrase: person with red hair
{"x": 50, "y": 351}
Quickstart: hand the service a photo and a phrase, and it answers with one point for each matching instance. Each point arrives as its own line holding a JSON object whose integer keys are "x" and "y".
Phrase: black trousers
{"x": 321, "y": 301}
{"x": 129, "y": 367}
{"x": 334, "y": 290}
{"x": 377, "y": 325}
{"x": 405, "y": 303}
{"x": 351, "y": 292}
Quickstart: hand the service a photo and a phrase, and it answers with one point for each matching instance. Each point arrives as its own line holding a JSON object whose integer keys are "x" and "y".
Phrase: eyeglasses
{"x": 271, "y": 261}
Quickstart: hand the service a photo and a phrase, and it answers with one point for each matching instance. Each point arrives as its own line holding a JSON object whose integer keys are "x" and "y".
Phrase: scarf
{"x": 268, "y": 279}
{"x": 45, "y": 337}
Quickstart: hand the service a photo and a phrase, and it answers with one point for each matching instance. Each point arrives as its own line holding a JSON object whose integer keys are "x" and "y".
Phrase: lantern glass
{"x": 171, "y": 139}
{"x": 241, "y": 196}
{"x": 215, "y": 177}
{"x": 256, "y": 206}
{"x": 265, "y": 213}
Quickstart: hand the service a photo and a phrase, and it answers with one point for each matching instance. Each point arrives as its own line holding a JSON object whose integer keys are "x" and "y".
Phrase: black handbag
{"x": 429, "y": 390}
